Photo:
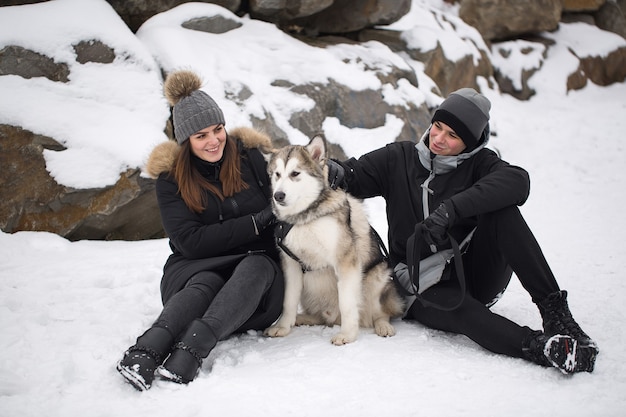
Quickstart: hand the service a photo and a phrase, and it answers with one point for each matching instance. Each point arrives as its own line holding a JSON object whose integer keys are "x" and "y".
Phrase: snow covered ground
{"x": 68, "y": 310}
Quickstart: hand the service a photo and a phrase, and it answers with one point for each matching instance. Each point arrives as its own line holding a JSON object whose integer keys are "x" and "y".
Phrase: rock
{"x": 94, "y": 51}
{"x": 612, "y": 17}
{"x": 136, "y": 12}
{"x": 604, "y": 70}
{"x": 505, "y": 19}
{"x": 448, "y": 74}
{"x": 582, "y": 5}
{"x": 212, "y": 24}
{"x": 281, "y": 11}
{"x": 32, "y": 200}
{"x": 532, "y": 52}
{"x": 365, "y": 109}
{"x": 29, "y": 64}
{"x": 345, "y": 16}
{"x": 452, "y": 75}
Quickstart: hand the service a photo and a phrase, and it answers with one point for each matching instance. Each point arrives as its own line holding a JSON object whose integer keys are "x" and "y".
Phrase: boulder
{"x": 32, "y": 200}
{"x": 603, "y": 70}
{"x": 345, "y": 16}
{"x": 612, "y": 17}
{"x": 582, "y": 5}
{"x": 283, "y": 11}
{"x": 505, "y": 19}
{"x": 136, "y": 12}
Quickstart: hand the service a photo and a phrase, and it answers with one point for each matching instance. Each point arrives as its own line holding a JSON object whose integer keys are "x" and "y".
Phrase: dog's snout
{"x": 279, "y": 196}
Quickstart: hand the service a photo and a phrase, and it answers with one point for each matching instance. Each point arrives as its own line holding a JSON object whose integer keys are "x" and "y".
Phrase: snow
{"x": 68, "y": 310}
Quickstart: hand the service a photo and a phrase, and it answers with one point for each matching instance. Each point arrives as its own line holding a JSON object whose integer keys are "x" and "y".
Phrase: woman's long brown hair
{"x": 191, "y": 184}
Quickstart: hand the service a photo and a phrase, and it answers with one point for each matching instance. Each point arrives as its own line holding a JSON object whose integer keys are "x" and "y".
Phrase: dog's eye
{"x": 294, "y": 174}
{"x": 277, "y": 175}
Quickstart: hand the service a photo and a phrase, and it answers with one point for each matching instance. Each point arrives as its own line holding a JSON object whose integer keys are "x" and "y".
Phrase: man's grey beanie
{"x": 194, "y": 113}
{"x": 466, "y": 111}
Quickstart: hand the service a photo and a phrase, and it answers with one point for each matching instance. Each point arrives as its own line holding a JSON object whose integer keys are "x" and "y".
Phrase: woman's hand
{"x": 263, "y": 219}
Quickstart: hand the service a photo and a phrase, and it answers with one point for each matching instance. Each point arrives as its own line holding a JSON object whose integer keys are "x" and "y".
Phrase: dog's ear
{"x": 317, "y": 148}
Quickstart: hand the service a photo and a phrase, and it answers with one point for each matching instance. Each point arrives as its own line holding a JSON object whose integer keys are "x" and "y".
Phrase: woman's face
{"x": 442, "y": 140}
{"x": 208, "y": 143}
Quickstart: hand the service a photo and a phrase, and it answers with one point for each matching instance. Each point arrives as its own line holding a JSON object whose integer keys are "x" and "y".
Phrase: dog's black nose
{"x": 279, "y": 196}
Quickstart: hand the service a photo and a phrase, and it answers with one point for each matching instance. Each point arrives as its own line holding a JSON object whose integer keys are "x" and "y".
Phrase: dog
{"x": 333, "y": 266}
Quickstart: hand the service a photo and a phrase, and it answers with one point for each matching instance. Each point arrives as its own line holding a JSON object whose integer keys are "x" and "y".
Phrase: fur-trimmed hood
{"x": 164, "y": 154}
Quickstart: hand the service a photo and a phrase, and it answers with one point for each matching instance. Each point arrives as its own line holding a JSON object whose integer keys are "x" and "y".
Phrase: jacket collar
{"x": 209, "y": 170}
{"x": 439, "y": 164}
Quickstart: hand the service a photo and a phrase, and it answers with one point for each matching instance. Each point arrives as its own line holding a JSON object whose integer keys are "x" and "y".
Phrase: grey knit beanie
{"x": 194, "y": 109}
{"x": 466, "y": 111}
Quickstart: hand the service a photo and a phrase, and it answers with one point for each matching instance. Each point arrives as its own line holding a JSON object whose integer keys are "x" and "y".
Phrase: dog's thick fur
{"x": 331, "y": 236}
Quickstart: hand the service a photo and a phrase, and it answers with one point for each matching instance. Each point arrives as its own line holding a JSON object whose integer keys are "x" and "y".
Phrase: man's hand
{"x": 436, "y": 228}
{"x": 336, "y": 174}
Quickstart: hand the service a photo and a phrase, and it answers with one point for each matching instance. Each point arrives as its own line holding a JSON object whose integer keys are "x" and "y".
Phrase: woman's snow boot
{"x": 141, "y": 360}
{"x": 557, "y": 319}
{"x": 560, "y": 351}
{"x": 186, "y": 359}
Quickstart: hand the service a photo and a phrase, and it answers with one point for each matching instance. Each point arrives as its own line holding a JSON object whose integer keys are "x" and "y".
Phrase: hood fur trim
{"x": 252, "y": 138}
{"x": 162, "y": 157}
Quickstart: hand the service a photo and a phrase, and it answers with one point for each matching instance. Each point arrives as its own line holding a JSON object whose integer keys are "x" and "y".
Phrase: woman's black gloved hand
{"x": 436, "y": 227}
{"x": 263, "y": 219}
{"x": 336, "y": 174}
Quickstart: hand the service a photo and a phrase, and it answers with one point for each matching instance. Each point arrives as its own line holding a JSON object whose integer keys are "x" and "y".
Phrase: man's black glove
{"x": 436, "y": 227}
{"x": 336, "y": 174}
{"x": 262, "y": 219}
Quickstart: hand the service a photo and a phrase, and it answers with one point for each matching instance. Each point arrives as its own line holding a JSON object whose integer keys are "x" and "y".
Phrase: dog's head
{"x": 299, "y": 176}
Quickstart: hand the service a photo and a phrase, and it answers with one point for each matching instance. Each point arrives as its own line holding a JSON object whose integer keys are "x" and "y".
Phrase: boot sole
{"x": 167, "y": 375}
{"x": 565, "y": 354}
{"x": 132, "y": 378}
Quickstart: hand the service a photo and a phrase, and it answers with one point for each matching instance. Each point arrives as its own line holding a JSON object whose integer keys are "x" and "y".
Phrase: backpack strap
{"x": 413, "y": 251}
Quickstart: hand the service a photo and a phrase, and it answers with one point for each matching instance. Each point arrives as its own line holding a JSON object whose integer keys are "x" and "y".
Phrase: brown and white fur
{"x": 331, "y": 235}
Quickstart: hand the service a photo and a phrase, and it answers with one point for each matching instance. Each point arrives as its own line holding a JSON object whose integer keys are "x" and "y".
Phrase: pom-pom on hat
{"x": 194, "y": 110}
{"x": 466, "y": 111}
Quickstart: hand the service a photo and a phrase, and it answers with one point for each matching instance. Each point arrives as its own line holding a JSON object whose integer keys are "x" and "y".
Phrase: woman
{"x": 455, "y": 189}
{"x": 222, "y": 276}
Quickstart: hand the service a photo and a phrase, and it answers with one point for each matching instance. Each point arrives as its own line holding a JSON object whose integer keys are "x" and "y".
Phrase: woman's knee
{"x": 262, "y": 268}
{"x": 207, "y": 282}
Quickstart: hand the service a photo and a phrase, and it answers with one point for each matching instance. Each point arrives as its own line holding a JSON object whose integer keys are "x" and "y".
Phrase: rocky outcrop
{"x": 303, "y": 16}
{"x": 448, "y": 73}
{"x": 486, "y": 35}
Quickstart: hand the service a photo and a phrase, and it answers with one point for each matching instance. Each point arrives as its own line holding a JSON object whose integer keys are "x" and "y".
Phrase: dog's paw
{"x": 341, "y": 339}
{"x": 276, "y": 331}
{"x": 384, "y": 329}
